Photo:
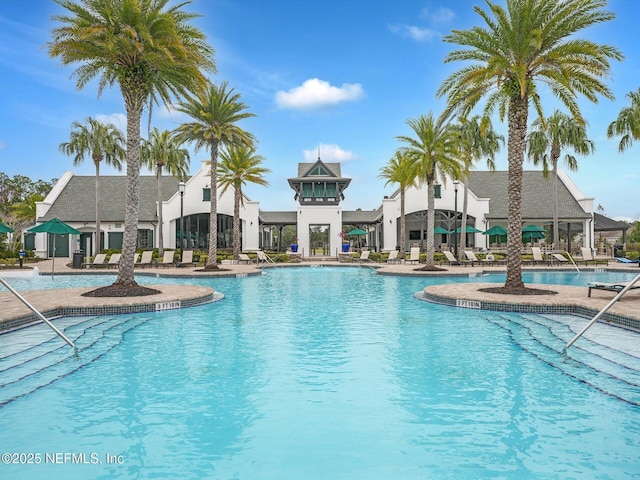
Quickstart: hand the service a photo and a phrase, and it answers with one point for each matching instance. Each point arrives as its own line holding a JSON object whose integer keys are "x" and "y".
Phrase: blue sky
{"x": 344, "y": 75}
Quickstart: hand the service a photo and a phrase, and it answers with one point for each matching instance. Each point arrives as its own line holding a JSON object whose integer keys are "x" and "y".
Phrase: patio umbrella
{"x": 55, "y": 227}
{"x": 441, "y": 230}
{"x": 469, "y": 229}
{"x": 532, "y": 232}
{"x": 5, "y": 229}
{"x": 357, "y": 232}
{"x": 496, "y": 230}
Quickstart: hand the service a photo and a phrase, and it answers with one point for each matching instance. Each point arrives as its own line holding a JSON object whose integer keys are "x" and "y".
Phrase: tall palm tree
{"x": 153, "y": 53}
{"x": 238, "y": 166}
{"x": 215, "y": 114}
{"x": 435, "y": 155}
{"x": 627, "y": 124}
{"x": 160, "y": 152}
{"x": 102, "y": 142}
{"x": 530, "y": 41}
{"x": 400, "y": 169}
{"x": 545, "y": 143}
{"x": 476, "y": 139}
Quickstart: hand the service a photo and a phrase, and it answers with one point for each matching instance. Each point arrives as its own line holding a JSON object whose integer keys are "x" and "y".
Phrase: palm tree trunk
{"x": 403, "y": 223}
{"x": 134, "y": 104}
{"x": 237, "y": 192}
{"x": 160, "y": 221}
{"x": 212, "y": 262}
{"x": 431, "y": 218}
{"x": 96, "y": 245}
{"x": 517, "y": 137}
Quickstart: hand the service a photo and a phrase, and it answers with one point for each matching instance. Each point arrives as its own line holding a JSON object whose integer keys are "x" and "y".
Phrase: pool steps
{"x": 609, "y": 371}
{"x": 46, "y": 360}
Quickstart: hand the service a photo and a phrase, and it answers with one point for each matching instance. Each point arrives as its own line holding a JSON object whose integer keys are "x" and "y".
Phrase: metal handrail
{"x": 34, "y": 310}
{"x": 600, "y": 313}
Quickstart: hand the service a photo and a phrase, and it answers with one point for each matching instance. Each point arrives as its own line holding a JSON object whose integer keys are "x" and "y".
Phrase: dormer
{"x": 319, "y": 183}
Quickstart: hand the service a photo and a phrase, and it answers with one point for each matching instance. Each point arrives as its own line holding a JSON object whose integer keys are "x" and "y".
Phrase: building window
{"x": 145, "y": 238}
{"x": 29, "y": 241}
{"x": 206, "y": 194}
{"x": 438, "y": 191}
{"x": 318, "y": 171}
{"x": 115, "y": 240}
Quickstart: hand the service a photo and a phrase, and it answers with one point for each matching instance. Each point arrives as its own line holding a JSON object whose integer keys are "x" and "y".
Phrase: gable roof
{"x": 606, "y": 224}
{"x": 333, "y": 169}
{"x": 77, "y": 201}
{"x": 537, "y": 195}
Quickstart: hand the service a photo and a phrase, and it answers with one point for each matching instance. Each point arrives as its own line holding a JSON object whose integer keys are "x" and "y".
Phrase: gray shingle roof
{"x": 537, "y": 194}
{"x": 606, "y": 224}
{"x": 77, "y": 202}
{"x": 351, "y": 217}
{"x": 274, "y": 218}
{"x": 334, "y": 168}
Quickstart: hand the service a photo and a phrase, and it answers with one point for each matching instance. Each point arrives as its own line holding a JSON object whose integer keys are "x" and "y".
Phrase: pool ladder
{"x": 34, "y": 310}
{"x": 600, "y": 313}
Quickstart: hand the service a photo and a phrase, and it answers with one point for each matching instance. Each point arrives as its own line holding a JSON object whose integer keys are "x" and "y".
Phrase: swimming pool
{"x": 321, "y": 373}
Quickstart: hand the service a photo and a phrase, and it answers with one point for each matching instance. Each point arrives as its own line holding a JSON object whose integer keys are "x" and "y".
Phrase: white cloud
{"x": 416, "y": 33}
{"x": 118, "y": 119}
{"x": 316, "y": 93}
{"x": 442, "y": 15}
{"x": 329, "y": 153}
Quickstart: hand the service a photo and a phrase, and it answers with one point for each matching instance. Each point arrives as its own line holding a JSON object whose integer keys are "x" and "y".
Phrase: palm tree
{"x": 238, "y": 166}
{"x": 401, "y": 170}
{"x": 435, "y": 156}
{"x": 544, "y": 145}
{"x": 102, "y": 142}
{"x": 476, "y": 139}
{"x": 627, "y": 124}
{"x": 153, "y": 53}
{"x": 530, "y": 41}
{"x": 160, "y": 152}
{"x": 215, "y": 114}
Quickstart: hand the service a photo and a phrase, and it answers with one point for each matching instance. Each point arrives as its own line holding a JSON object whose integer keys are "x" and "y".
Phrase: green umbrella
{"x": 469, "y": 229}
{"x": 5, "y": 229}
{"x": 532, "y": 232}
{"x": 357, "y": 231}
{"x": 55, "y": 227}
{"x": 496, "y": 230}
{"x": 441, "y": 230}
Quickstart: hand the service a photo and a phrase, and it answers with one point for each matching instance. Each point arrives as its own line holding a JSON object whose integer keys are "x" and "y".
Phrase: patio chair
{"x": 187, "y": 259}
{"x": 538, "y": 257}
{"x": 243, "y": 257}
{"x": 626, "y": 260}
{"x": 114, "y": 259}
{"x": 414, "y": 256}
{"x": 558, "y": 257}
{"x": 451, "y": 258}
{"x": 263, "y": 257}
{"x": 471, "y": 257}
{"x": 393, "y": 257}
{"x": 98, "y": 261}
{"x": 364, "y": 256}
{"x": 167, "y": 259}
{"x": 146, "y": 260}
{"x": 587, "y": 256}
{"x": 609, "y": 287}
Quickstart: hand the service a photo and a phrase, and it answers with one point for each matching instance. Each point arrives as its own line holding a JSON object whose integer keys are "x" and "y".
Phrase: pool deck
{"x": 569, "y": 299}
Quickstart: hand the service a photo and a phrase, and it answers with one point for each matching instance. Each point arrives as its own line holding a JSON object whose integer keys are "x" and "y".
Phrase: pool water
{"x": 316, "y": 373}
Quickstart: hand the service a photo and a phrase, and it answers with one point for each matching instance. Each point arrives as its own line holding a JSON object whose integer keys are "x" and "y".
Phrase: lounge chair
{"x": 114, "y": 259}
{"x": 610, "y": 287}
{"x": 393, "y": 257}
{"x": 243, "y": 257}
{"x": 167, "y": 259}
{"x": 364, "y": 256}
{"x": 187, "y": 259}
{"x": 147, "y": 259}
{"x": 471, "y": 257}
{"x": 263, "y": 257}
{"x": 587, "y": 256}
{"x": 626, "y": 260}
{"x": 558, "y": 257}
{"x": 414, "y": 256}
{"x": 98, "y": 261}
{"x": 451, "y": 258}
{"x": 538, "y": 257}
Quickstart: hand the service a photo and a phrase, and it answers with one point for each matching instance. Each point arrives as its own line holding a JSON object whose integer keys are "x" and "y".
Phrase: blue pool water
{"x": 316, "y": 373}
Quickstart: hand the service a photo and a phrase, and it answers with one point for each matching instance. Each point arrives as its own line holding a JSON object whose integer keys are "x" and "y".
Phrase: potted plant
{"x": 345, "y": 242}
{"x": 294, "y": 246}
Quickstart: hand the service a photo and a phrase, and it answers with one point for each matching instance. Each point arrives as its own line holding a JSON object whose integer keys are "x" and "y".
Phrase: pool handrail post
{"x": 34, "y": 310}
{"x": 600, "y": 313}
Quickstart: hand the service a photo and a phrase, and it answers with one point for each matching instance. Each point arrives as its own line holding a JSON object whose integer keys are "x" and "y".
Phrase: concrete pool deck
{"x": 569, "y": 299}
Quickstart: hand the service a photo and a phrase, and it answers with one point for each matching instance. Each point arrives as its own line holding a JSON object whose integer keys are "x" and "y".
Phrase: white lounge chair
{"x": 537, "y": 256}
{"x": 471, "y": 257}
{"x": 114, "y": 260}
{"x": 364, "y": 256}
{"x": 187, "y": 259}
{"x": 243, "y": 257}
{"x": 451, "y": 258}
{"x": 146, "y": 260}
{"x": 558, "y": 257}
{"x": 587, "y": 256}
{"x": 167, "y": 259}
{"x": 263, "y": 257}
{"x": 98, "y": 261}
{"x": 414, "y": 255}
{"x": 393, "y": 257}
